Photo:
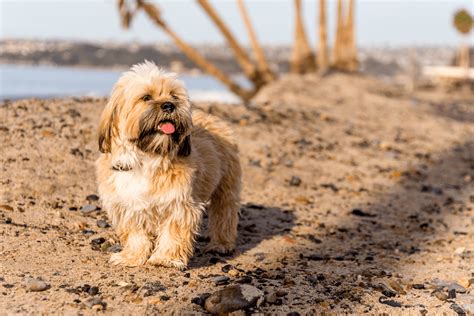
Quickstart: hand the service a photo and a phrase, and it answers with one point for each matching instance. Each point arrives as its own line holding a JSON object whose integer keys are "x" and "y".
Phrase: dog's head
{"x": 150, "y": 108}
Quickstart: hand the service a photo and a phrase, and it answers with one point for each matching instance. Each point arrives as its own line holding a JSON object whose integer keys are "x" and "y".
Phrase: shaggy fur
{"x": 156, "y": 185}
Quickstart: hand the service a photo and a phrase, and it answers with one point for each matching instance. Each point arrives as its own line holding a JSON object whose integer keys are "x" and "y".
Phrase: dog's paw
{"x": 166, "y": 262}
{"x": 123, "y": 259}
{"x": 223, "y": 249}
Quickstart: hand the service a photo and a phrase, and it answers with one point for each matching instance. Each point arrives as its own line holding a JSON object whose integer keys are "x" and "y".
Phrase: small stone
{"x": 234, "y": 273}
{"x": 272, "y": 298}
{"x": 226, "y": 268}
{"x": 388, "y": 302}
{"x": 458, "y": 309}
{"x": 97, "y": 242}
{"x": 36, "y": 285}
{"x": 361, "y": 213}
{"x": 452, "y": 294}
{"x": 164, "y": 297}
{"x": 102, "y": 223}
{"x": 92, "y": 198}
{"x": 88, "y": 208}
{"x": 244, "y": 280}
{"x": 114, "y": 248}
{"x": 459, "y": 250}
{"x": 418, "y": 286}
{"x": 295, "y": 181}
{"x": 95, "y": 301}
{"x": 221, "y": 280}
{"x": 151, "y": 288}
{"x": 233, "y": 298}
{"x": 440, "y": 295}
{"x": 105, "y": 246}
{"x": 201, "y": 299}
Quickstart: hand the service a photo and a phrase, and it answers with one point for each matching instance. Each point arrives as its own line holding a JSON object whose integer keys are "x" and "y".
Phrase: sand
{"x": 357, "y": 196}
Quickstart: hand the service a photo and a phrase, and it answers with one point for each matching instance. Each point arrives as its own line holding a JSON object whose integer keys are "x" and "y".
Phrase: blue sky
{"x": 379, "y": 22}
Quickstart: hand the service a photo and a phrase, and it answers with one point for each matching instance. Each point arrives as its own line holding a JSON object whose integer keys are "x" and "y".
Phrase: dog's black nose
{"x": 167, "y": 107}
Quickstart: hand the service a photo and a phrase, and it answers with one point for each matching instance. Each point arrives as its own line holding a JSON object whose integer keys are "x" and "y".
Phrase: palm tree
{"x": 302, "y": 58}
{"x": 322, "y": 57}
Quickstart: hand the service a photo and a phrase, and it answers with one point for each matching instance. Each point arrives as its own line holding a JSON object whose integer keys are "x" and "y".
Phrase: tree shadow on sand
{"x": 256, "y": 223}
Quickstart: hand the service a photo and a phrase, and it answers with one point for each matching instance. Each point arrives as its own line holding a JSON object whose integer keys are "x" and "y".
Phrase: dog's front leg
{"x": 175, "y": 242}
{"x": 136, "y": 249}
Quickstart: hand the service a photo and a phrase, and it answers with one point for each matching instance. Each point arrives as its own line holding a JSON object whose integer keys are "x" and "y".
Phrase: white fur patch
{"x": 132, "y": 189}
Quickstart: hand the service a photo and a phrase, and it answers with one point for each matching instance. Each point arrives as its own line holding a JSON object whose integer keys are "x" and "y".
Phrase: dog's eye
{"x": 174, "y": 96}
{"x": 146, "y": 97}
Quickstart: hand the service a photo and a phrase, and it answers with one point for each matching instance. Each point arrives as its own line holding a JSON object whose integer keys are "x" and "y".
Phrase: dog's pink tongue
{"x": 167, "y": 128}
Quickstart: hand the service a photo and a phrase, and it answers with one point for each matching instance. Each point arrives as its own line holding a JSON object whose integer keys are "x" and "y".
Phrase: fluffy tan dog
{"x": 161, "y": 166}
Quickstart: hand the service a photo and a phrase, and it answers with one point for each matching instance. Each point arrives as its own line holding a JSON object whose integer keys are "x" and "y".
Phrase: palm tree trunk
{"x": 322, "y": 56}
{"x": 262, "y": 63}
{"x": 241, "y": 56}
{"x": 352, "y": 62}
{"x": 337, "y": 53}
{"x": 302, "y": 59}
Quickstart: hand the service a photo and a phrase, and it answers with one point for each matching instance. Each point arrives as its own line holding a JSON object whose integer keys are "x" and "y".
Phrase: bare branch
{"x": 262, "y": 63}
{"x": 154, "y": 14}
{"x": 241, "y": 56}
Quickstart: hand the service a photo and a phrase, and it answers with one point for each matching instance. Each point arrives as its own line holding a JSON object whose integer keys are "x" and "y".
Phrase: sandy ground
{"x": 357, "y": 198}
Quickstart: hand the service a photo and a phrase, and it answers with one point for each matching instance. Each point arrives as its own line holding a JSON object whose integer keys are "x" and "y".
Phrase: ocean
{"x": 40, "y": 81}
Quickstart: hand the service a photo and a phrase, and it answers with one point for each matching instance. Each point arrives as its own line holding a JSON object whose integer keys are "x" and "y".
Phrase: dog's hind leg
{"x": 223, "y": 213}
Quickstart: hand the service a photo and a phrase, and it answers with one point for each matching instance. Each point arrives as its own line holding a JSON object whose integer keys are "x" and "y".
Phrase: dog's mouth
{"x": 167, "y": 127}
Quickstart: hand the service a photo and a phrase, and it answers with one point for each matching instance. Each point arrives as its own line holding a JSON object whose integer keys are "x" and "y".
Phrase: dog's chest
{"x": 133, "y": 189}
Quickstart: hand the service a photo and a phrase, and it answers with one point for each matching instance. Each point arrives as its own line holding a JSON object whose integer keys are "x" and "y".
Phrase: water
{"x": 25, "y": 81}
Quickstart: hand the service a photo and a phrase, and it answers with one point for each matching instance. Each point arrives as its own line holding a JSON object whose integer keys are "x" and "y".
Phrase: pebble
{"x": 440, "y": 295}
{"x": 244, "y": 280}
{"x": 201, "y": 299}
{"x": 272, "y": 298}
{"x": 114, "y": 248}
{"x": 102, "y": 223}
{"x": 97, "y": 242}
{"x": 95, "y": 301}
{"x": 36, "y": 285}
{"x": 221, "y": 280}
{"x": 458, "y": 309}
{"x": 449, "y": 285}
{"x": 88, "y": 208}
{"x": 92, "y": 198}
{"x": 233, "y": 298}
{"x": 361, "y": 213}
{"x": 295, "y": 181}
{"x": 418, "y": 286}
{"x": 6, "y": 207}
{"x": 388, "y": 302}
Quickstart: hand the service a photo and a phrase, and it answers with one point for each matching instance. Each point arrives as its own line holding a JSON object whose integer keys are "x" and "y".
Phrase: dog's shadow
{"x": 256, "y": 223}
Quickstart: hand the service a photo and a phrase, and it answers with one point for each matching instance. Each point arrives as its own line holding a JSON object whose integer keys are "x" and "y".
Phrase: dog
{"x": 161, "y": 166}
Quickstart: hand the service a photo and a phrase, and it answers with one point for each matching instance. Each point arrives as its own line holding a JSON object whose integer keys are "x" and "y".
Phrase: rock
{"x": 391, "y": 303}
{"x": 361, "y": 213}
{"x": 233, "y": 298}
{"x": 92, "y": 198}
{"x": 458, "y": 309}
{"x": 396, "y": 286}
{"x": 452, "y": 294}
{"x": 440, "y": 295}
{"x": 95, "y": 301}
{"x": 418, "y": 286}
{"x": 36, "y": 285}
{"x": 201, "y": 299}
{"x": 88, "y": 208}
{"x": 295, "y": 181}
{"x": 244, "y": 280}
{"x": 114, "y": 248}
{"x": 227, "y": 268}
{"x": 96, "y": 242}
{"x": 221, "y": 280}
{"x": 105, "y": 246}
{"x": 459, "y": 250}
{"x": 383, "y": 287}
{"x": 102, "y": 223}
{"x": 151, "y": 288}
{"x": 448, "y": 284}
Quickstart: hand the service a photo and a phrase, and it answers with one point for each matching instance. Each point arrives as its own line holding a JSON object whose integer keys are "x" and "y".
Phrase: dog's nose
{"x": 167, "y": 107}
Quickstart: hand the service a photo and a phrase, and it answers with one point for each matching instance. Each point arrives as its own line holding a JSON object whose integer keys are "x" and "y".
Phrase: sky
{"x": 379, "y": 22}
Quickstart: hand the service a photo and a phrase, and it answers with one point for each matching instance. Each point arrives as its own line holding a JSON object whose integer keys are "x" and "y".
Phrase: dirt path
{"x": 356, "y": 199}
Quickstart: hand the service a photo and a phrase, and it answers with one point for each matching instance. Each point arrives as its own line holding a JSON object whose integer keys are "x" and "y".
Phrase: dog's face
{"x": 149, "y": 108}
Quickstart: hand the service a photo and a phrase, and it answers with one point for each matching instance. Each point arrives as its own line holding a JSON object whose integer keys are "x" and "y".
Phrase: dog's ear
{"x": 108, "y": 121}
{"x": 185, "y": 147}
